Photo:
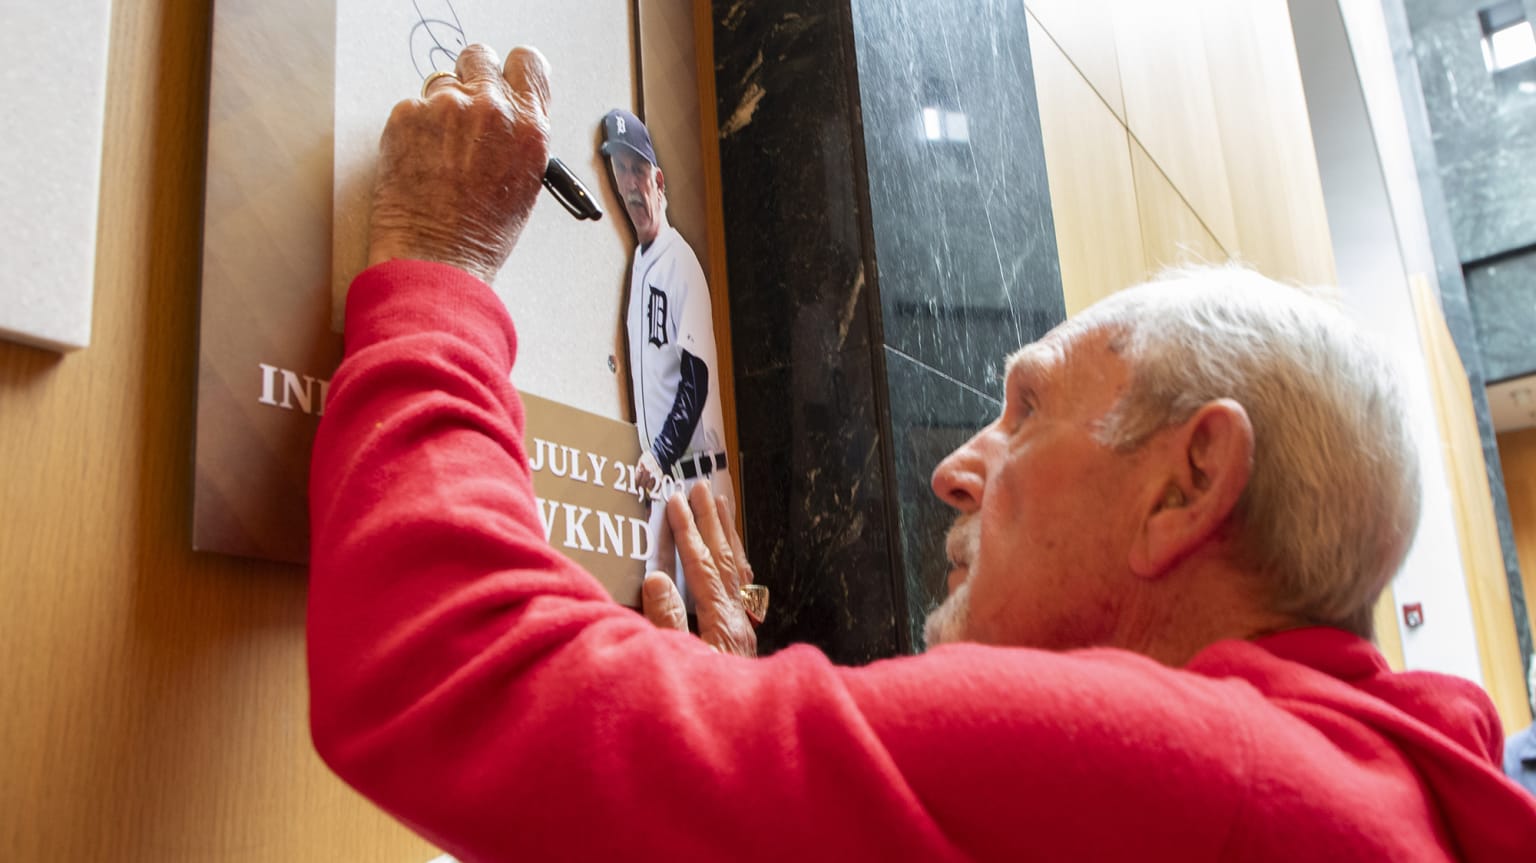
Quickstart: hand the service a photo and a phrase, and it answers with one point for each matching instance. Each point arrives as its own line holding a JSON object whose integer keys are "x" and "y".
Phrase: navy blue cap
{"x": 623, "y": 129}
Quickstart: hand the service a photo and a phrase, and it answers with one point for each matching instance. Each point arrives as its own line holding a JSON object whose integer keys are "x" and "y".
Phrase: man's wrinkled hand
{"x": 460, "y": 169}
{"x": 662, "y": 604}
{"x": 715, "y": 567}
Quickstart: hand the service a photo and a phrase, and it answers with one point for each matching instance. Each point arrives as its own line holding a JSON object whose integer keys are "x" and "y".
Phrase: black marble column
{"x": 1483, "y": 123}
{"x": 1430, "y": 40}
{"x": 1503, "y": 297}
{"x": 889, "y": 240}
{"x": 1482, "y": 132}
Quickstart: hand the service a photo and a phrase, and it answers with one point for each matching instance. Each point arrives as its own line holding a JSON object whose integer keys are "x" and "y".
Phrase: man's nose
{"x": 960, "y": 477}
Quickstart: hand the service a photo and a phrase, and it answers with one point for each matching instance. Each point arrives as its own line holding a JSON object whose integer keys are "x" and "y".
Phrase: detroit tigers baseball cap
{"x": 623, "y": 129}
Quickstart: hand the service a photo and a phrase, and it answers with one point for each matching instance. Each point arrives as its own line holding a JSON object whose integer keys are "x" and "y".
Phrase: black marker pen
{"x": 569, "y": 191}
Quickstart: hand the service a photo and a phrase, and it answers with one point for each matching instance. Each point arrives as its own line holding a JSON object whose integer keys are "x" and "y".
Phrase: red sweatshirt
{"x": 484, "y": 690}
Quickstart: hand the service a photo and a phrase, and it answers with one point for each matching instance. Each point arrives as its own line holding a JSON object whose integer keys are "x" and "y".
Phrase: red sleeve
{"x": 485, "y": 690}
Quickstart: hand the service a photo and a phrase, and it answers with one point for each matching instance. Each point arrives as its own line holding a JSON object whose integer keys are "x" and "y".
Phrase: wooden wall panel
{"x": 1084, "y": 33}
{"x": 1169, "y": 106}
{"x": 1266, "y": 141}
{"x": 155, "y": 699}
{"x": 1481, "y": 556}
{"x": 1517, "y": 453}
{"x": 714, "y": 220}
{"x": 1093, "y": 194}
{"x": 1389, "y": 638}
{"x": 1171, "y": 232}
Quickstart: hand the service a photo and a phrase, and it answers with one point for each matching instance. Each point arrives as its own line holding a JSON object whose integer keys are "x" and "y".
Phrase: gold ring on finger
{"x": 754, "y": 601}
{"x": 431, "y": 79}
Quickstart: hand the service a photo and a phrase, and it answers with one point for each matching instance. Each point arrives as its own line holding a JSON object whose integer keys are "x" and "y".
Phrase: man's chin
{"x": 950, "y": 622}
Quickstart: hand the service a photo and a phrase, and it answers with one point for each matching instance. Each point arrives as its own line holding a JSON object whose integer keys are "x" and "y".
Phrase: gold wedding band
{"x": 432, "y": 79}
{"x": 754, "y": 601}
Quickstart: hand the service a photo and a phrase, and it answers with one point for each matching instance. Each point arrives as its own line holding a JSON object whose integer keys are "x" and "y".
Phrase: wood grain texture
{"x": 1081, "y": 29}
{"x": 1220, "y": 139}
{"x": 1170, "y": 108}
{"x": 1093, "y": 193}
{"x": 1266, "y": 141}
{"x": 1517, "y": 452}
{"x": 714, "y": 205}
{"x": 155, "y": 699}
{"x": 1481, "y": 555}
{"x": 1172, "y": 234}
{"x": 1389, "y": 638}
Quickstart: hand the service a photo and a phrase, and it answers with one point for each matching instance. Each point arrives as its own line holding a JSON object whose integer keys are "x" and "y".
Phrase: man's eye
{"x": 1017, "y": 412}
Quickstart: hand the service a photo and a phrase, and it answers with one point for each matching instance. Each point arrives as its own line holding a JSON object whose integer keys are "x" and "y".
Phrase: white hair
{"x": 1333, "y": 500}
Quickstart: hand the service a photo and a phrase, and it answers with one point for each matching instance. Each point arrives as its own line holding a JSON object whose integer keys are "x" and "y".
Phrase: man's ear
{"x": 661, "y": 182}
{"x": 1206, "y": 464}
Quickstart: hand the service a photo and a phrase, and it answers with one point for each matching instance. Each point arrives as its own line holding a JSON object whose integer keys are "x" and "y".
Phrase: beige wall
{"x": 153, "y": 699}
{"x": 1175, "y": 132}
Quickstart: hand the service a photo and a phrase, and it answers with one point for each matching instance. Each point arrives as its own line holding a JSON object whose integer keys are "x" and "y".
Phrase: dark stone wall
{"x": 1476, "y": 159}
{"x": 879, "y": 275}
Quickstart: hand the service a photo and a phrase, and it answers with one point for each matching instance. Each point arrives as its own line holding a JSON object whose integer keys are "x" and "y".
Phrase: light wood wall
{"x": 1517, "y": 454}
{"x": 1176, "y": 132}
{"x": 1482, "y": 559}
{"x": 154, "y": 699}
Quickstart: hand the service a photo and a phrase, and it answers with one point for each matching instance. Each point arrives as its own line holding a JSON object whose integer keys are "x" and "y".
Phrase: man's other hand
{"x": 715, "y": 566}
{"x": 460, "y": 168}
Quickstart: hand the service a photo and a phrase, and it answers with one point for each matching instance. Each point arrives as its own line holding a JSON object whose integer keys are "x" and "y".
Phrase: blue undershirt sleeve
{"x": 687, "y": 407}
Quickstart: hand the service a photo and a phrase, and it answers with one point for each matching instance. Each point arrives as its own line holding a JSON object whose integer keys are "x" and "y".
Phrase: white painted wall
{"x": 1380, "y": 236}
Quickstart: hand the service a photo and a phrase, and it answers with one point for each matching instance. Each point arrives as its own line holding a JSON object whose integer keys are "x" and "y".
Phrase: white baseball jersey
{"x": 669, "y": 313}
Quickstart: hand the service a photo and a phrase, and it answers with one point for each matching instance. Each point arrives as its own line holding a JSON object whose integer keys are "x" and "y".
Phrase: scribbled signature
{"x": 436, "y": 38}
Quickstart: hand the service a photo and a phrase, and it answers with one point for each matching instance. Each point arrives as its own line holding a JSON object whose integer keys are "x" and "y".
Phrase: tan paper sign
{"x": 584, "y": 477}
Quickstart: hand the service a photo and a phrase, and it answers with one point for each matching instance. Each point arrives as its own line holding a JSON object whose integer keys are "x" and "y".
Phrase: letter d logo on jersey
{"x": 656, "y": 318}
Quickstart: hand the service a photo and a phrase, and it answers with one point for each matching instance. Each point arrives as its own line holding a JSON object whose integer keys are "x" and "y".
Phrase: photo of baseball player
{"x": 674, "y": 377}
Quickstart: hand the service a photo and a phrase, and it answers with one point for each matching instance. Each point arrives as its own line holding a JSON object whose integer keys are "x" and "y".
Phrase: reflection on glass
{"x": 932, "y": 126}
{"x": 1508, "y": 39}
{"x": 942, "y": 125}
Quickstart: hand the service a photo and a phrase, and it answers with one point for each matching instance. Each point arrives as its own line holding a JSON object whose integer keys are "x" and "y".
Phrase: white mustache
{"x": 962, "y": 541}
{"x": 634, "y": 201}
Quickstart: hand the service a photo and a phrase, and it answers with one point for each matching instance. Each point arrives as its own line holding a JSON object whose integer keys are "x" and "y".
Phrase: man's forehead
{"x": 1030, "y": 361}
{"x": 1041, "y": 355}
{"x": 1061, "y": 350}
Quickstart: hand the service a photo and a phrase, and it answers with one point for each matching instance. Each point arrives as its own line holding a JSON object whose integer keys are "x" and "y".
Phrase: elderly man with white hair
{"x": 1155, "y": 644}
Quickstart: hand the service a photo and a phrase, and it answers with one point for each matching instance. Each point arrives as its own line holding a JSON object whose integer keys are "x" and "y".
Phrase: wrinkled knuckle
{"x": 482, "y": 106}
{"x": 535, "y": 130}
{"x": 402, "y": 114}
